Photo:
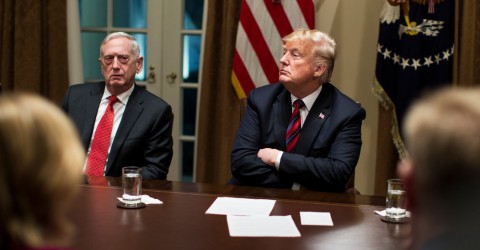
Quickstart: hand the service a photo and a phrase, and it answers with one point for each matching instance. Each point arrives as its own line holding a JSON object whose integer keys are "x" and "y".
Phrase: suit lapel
{"x": 282, "y": 109}
{"x": 130, "y": 116}
{"x": 316, "y": 118}
{"x": 91, "y": 108}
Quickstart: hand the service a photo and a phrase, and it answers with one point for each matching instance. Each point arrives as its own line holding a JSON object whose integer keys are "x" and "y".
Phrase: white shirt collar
{"x": 123, "y": 97}
{"x": 309, "y": 99}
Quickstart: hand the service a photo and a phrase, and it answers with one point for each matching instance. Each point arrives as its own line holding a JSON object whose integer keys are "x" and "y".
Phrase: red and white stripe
{"x": 259, "y": 39}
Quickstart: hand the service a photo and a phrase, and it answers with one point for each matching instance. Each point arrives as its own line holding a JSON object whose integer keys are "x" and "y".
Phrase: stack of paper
{"x": 250, "y": 218}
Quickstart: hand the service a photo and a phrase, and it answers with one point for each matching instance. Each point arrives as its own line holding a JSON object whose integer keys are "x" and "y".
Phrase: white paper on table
{"x": 241, "y": 206}
{"x": 150, "y": 200}
{"x": 146, "y": 199}
{"x": 316, "y": 219}
{"x": 262, "y": 226}
{"x": 384, "y": 213}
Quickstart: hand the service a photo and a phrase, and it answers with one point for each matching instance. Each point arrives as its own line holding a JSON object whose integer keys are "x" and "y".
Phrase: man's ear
{"x": 139, "y": 64}
{"x": 405, "y": 169}
{"x": 319, "y": 71}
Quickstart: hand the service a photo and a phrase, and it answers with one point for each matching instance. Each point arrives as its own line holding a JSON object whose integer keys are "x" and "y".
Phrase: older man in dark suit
{"x": 301, "y": 132}
{"x": 120, "y": 123}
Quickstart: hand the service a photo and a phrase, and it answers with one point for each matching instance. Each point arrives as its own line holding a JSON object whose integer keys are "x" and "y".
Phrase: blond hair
{"x": 41, "y": 162}
{"x": 323, "y": 51}
{"x": 443, "y": 139}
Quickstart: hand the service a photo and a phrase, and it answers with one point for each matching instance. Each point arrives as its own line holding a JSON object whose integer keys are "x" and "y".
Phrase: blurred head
{"x": 443, "y": 140}
{"x": 307, "y": 61}
{"x": 41, "y": 162}
{"x": 120, "y": 60}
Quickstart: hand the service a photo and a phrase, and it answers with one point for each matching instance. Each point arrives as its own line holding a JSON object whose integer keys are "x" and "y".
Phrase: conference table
{"x": 181, "y": 222}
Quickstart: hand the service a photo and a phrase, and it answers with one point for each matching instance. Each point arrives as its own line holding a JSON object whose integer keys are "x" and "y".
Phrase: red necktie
{"x": 294, "y": 126}
{"x": 101, "y": 141}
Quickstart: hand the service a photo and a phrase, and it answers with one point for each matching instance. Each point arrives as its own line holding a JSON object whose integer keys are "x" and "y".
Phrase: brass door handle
{"x": 151, "y": 75}
{"x": 171, "y": 77}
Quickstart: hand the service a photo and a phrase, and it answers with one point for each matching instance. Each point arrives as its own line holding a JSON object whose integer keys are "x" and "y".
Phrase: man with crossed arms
{"x": 324, "y": 153}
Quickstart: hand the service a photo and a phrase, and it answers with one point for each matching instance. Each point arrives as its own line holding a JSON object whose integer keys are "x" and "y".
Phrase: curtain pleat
{"x": 34, "y": 47}
{"x": 220, "y": 108}
{"x": 387, "y": 154}
{"x": 467, "y": 38}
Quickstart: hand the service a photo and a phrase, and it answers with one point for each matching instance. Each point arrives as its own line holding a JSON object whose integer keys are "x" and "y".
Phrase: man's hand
{"x": 268, "y": 155}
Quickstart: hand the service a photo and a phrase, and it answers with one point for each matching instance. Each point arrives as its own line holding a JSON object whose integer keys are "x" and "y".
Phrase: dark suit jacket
{"x": 327, "y": 150}
{"x": 143, "y": 138}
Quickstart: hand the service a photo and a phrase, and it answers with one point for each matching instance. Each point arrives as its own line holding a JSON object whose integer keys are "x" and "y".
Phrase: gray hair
{"x": 135, "y": 45}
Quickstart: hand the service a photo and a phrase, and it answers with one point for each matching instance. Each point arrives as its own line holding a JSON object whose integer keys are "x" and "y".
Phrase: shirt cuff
{"x": 277, "y": 160}
{"x": 296, "y": 186}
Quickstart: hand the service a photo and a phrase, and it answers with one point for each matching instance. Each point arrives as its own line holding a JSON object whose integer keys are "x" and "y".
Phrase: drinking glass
{"x": 132, "y": 185}
{"x": 396, "y": 204}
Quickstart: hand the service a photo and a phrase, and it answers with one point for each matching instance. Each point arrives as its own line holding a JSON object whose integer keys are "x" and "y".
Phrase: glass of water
{"x": 132, "y": 185}
{"x": 396, "y": 204}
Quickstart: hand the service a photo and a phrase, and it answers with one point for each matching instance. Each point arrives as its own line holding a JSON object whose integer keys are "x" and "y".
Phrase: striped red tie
{"x": 294, "y": 126}
{"x": 101, "y": 142}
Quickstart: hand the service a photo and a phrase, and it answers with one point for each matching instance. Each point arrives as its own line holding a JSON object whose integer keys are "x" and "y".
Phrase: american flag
{"x": 259, "y": 39}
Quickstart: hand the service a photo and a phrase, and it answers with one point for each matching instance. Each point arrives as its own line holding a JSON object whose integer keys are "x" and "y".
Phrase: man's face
{"x": 119, "y": 65}
{"x": 296, "y": 67}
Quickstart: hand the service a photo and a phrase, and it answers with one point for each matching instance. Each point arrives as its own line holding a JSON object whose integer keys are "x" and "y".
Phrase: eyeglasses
{"x": 123, "y": 59}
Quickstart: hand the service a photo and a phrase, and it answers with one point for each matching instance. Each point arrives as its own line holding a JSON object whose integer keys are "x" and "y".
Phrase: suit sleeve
{"x": 64, "y": 103}
{"x": 247, "y": 168}
{"x": 158, "y": 151}
{"x": 329, "y": 167}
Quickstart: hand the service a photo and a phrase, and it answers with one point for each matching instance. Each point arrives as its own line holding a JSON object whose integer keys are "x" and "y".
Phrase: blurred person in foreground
{"x": 443, "y": 169}
{"x": 41, "y": 161}
{"x": 140, "y": 127}
{"x": 269, "y": 150}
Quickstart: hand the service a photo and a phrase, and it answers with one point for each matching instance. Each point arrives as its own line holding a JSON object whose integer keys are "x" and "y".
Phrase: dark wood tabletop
{"x": 181, "y": 223}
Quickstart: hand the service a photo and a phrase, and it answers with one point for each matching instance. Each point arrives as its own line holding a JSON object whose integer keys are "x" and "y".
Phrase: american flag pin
{"x": 322, "y": 116}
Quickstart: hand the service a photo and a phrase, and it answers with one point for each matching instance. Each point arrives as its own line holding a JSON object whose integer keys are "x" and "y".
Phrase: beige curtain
{"x": 387, "y": 155}
{"x": 466, "y": 72}
{"x": 33, "y": 47}
{"x": 220, "y": 109}
{"x": 467, "y": 43}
